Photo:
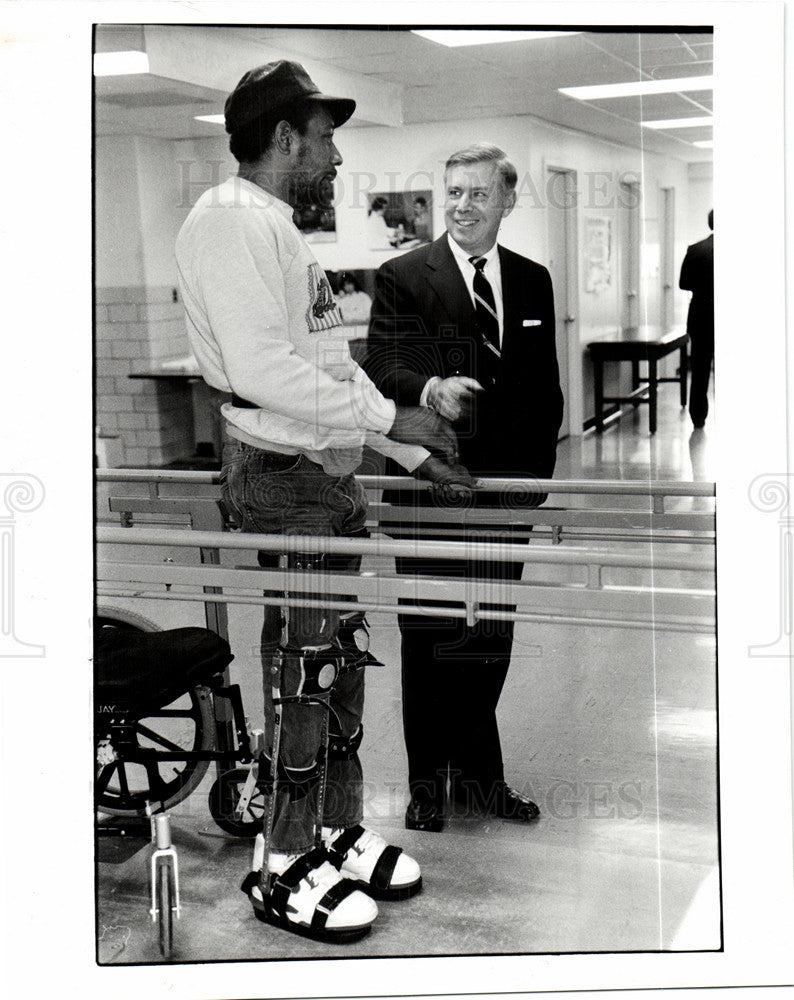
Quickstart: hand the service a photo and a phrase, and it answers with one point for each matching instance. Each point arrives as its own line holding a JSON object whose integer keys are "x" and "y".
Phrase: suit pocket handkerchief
{"x": 531, "y": 322}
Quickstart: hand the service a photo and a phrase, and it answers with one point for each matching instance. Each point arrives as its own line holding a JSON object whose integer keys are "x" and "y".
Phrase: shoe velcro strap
{"x": 339, "y": 891}
{"x": 346, "y": 839}
{"x": 250, "y": 880}
{"x": 291, "y": 877}
{"x": 301, "y": 867}
{"x": 384, "y": 868}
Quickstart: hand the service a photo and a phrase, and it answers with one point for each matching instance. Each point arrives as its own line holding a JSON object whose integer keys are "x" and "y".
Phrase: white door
{"x": 668, "y": 258}
{"x": 629, "y": 228}
{"x": 561, "y": 202}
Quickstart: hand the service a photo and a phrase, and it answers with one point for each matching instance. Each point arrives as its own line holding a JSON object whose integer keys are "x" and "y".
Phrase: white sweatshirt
{"x": 263, "y": 323}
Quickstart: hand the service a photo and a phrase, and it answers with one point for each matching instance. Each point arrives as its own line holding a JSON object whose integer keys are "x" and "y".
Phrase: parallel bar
{"x": 575, "y": 533}
{"x": 439, "y": 587}
{"x": 421, "y": 519}
{"x": 419, "y": 548}
{"x": 194, "y": 495}
{"x": 703, "y": 623}
{"x": 628, "y": 487}
{"x": 579, "y": 516}
{"x": 383, "y": 592}
{"x": 187, "y": 477}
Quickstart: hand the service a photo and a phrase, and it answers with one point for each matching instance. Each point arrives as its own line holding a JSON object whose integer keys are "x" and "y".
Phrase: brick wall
{"x": 137, "y": 326}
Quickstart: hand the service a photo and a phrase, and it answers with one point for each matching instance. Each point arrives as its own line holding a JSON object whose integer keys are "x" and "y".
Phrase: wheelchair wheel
{"x": 122, "y": 788}
{"x": 165, "y": 896}
{"x": 224, "y": 796}
{"x": 121, "y": 618}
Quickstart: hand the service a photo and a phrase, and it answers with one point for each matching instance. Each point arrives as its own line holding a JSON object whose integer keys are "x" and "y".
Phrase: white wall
{"x": 119, "y": 243}
{"x": 701, "y": 200}
{"x": 159, "y": 207}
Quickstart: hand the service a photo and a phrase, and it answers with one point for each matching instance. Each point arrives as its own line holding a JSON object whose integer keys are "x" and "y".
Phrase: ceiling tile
{"x": 119, "y": 38}
{"x": 652, "y": 107}
{"x": 691, "y": 134}
{"x": 439, "y": 83}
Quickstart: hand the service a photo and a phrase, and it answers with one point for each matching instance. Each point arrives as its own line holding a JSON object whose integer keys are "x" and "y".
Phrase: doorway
{"x": 561, "y": 202}
{"x": 629, "y": 228}
{"x": 668, "y": 258}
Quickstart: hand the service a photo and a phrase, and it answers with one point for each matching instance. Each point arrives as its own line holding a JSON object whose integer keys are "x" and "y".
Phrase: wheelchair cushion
{"x": 142, "y": 671}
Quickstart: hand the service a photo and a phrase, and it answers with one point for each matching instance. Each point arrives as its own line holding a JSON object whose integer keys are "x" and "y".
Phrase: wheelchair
{"x": 159, "y": 722}
{"x": 163, "y": 712}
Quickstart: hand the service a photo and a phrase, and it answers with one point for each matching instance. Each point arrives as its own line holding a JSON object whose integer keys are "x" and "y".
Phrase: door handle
{"x": 631, "y": 295}
{"x": 570, "y": 319}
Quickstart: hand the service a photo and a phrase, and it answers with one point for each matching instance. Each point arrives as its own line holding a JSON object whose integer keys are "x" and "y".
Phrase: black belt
{"x": 243, "y": 404}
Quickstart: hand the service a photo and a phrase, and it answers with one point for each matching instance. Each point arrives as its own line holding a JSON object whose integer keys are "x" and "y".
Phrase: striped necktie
{"x": 485, "y": 305}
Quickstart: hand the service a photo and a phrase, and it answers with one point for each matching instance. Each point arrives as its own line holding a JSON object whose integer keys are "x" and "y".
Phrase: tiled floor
{"x": 612, "y": 731}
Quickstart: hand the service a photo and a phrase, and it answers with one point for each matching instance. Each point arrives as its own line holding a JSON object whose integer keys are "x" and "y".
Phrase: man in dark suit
{"x": 697, "y": 276}
{"x": 466, "y": 327}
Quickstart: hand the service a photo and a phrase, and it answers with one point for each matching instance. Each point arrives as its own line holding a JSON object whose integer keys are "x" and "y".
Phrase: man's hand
{"x": 450, "y": 482}
{"x": 451, "y": 397}
{"x": 419, "y": 425}
{"x": 436, "y": 471}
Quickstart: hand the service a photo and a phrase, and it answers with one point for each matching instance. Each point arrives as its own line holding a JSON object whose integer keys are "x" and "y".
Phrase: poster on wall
{"x": 315, "y": 215}
{"x": 598, "y": 253}
{"x": 399, "y": 221}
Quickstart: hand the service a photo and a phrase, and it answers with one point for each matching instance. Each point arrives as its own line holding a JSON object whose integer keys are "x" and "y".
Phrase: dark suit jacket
{"x": 423, "y": 324}
{"x": 697, "y": 276}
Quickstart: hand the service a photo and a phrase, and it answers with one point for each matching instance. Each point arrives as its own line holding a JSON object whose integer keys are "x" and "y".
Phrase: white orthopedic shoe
{"x": 364, "y": 857}
{"x": 308, "y": 895}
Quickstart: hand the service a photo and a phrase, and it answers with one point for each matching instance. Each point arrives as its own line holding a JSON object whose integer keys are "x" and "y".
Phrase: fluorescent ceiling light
{"x": 455, "y": 38}
{"x": 680, "y": 122}
{"x": 214, "y": 119}
{"x": 705, "y": 144}
{"x": 120, "y": 63}
{"x": 639, "y": 88}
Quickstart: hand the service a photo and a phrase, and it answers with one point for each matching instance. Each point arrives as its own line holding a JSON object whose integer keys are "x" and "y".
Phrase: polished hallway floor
{"x": 612, "y": 731}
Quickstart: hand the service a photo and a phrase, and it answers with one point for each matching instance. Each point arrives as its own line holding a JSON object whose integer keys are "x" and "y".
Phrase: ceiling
{"x": 398, "y": 77}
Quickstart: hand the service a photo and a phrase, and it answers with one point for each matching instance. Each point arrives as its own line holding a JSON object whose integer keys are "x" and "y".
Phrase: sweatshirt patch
{"x": 323, "y": 313}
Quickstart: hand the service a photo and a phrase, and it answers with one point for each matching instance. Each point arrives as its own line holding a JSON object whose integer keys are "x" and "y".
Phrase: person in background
{"x": 264, "y": 326}
{"x": 466, "y": 328}
{"x": 697, "y": 276}
{"x": 380, "y": 236}
{"x": 354, "y": 304}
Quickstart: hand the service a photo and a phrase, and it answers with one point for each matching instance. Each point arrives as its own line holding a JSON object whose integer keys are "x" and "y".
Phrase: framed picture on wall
{"x": 598, "y": 253}
{"x": 399, "y": 221}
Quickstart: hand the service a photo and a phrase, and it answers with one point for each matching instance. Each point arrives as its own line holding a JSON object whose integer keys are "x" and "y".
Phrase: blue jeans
{"x": 289, "y": 495}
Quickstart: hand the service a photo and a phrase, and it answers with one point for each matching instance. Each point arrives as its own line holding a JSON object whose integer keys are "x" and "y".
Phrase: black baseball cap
{"x": 279, "y": 85}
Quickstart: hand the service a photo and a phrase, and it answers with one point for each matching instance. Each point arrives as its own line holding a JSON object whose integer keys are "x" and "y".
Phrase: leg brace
{"x": 315, "y": 648}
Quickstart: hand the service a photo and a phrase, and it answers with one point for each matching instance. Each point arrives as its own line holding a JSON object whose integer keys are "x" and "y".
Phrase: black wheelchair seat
{"x": 139, "y": 671}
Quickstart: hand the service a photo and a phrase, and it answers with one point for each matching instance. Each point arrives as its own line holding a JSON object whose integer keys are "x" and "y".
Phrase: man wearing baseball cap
{"x": 264, "y": 326}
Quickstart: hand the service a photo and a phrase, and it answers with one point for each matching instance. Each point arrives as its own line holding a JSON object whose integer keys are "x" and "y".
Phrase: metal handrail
{"x": 588, "y": 601}
{"x": 174, "y": 497}
{"x": 419, "y": 548}
{"x": 626, "y": 487}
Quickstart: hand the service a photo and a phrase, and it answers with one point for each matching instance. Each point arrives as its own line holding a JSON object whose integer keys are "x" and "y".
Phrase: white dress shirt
{"x": 493, "y": 272}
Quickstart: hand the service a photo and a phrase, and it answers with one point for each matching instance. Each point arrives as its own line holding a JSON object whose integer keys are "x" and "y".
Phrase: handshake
{"x": 423, "y": 426}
